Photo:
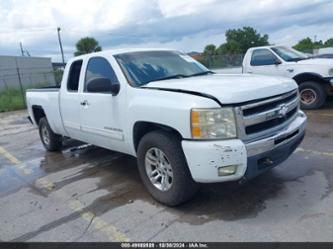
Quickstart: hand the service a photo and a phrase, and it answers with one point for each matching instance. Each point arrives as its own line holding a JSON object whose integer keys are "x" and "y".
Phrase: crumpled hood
{"x": 231, "y": 88}
{"x": 316, "y": 61}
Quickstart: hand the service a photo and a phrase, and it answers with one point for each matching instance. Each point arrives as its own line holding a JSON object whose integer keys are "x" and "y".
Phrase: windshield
{"x": 141, "y": 68}
{"x": 289, "y": 54}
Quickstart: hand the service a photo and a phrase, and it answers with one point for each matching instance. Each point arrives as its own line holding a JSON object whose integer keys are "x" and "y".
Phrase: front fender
{"x": 170, "y": 109}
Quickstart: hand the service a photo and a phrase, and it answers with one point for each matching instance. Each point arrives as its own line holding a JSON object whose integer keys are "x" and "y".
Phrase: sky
{"x": 187, "y": 25}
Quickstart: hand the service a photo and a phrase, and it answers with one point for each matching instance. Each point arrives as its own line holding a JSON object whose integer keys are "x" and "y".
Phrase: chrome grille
{"x": 263, "y": 118}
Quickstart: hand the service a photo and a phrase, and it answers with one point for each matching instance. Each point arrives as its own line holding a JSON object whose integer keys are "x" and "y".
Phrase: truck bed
{"x": 45, "y": 89}
{"x": 47, "y": 99}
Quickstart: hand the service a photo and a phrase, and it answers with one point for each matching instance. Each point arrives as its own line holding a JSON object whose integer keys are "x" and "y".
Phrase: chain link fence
{"x": 14, "y": 78}
{"x": 20, "y": 73}
{"x": 219, "y": 61}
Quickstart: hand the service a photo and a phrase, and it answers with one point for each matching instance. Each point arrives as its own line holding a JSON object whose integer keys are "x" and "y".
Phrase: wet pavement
{"x": 86, "y": 193}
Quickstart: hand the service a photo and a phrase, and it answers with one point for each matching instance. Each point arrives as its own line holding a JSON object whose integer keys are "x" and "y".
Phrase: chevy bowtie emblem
{"x": 283, "y": 109}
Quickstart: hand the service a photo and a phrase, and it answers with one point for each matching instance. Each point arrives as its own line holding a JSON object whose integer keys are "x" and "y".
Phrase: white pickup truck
{"x": 313, "y": 75}
{"x": 185, "y": 124}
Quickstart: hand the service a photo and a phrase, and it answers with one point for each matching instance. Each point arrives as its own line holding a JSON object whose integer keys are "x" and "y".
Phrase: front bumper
{"x": 205, "y": 157}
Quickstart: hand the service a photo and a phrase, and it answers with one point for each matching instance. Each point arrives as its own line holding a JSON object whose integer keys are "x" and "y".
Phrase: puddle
{"x": 20, "y": 121}
{"x": 117, "y": 174}
{"x": 14, "y": 177}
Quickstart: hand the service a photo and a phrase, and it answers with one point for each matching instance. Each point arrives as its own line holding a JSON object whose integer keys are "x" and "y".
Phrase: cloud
{"x": 182, "y": 24}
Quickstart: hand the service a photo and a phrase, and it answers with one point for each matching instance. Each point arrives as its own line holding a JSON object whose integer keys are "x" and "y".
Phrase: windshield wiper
{"x": 201, "y": 73}
{"x": 176, "y": 76}
{"x": 298, "y": 59}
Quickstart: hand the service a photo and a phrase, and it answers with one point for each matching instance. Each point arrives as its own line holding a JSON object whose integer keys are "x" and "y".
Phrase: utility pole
{"x": 19, "y": 79}
{"x": 21, "y": 47}
{"x": 60, "y": 44}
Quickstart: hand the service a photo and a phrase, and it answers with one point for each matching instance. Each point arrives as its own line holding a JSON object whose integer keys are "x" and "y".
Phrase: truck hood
{"x": 316, "y": 61}
{"x": 231, "y": 88}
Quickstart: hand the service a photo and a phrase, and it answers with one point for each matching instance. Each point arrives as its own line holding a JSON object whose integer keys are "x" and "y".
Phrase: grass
{"x": 11, "y": 100}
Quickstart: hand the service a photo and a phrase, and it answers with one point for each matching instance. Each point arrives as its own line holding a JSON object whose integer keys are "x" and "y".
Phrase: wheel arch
{"x": 303, "y": 77}
{"x": 141, "y": 128}
{"x": 38, "y": 113}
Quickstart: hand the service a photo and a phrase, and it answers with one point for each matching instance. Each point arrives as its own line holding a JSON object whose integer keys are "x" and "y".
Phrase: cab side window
{"x": 262, "y": 57}
{"x": 99, "y": 68}
{"x": 74, "y": 76}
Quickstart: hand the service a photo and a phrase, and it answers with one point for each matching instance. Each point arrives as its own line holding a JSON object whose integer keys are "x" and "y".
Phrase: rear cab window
{"x": 74, "y": 76}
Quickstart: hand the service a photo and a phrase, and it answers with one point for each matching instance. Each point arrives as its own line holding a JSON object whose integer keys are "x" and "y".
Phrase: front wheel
{"x": 312, "y": 95}
{"x": 50, "y": 140}
{"x": 163, "y": 168}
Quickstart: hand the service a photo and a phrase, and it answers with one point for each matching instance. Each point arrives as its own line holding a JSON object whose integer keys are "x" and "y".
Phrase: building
{"x": 325, "y": 51}
{"x": 27, "y": 71}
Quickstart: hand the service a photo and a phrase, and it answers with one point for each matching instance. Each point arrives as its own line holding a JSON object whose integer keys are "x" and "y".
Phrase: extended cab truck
{"x": 313, "y": 75}
{"x": 185, "y": 124}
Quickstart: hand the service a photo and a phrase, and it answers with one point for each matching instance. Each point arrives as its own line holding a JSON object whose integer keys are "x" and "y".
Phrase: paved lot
{"x": 91, "y": 194}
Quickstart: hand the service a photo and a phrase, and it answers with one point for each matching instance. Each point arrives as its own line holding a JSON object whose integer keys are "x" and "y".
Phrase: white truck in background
{"x": 185, "y": 124}
{"x": 313, "y": 75}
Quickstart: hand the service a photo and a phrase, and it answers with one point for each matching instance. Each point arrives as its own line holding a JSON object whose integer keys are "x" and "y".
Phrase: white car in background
{"x": 313, "y": 75}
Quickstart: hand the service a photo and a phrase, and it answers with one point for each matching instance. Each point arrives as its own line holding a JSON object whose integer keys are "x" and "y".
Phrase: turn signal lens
{"x": 196, "y": 132}
{"x": 195, "y": 116}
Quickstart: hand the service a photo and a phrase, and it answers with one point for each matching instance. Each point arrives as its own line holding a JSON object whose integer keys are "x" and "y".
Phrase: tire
{"x": 313, "y": 95}
{"x": 50, "y": 140}
{"x": 182, "y": 186}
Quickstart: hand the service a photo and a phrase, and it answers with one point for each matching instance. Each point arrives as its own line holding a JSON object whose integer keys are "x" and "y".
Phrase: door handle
{"x": 249, "y": 72}
{"x": 84, "y": 103}
{"x": 290, "y": 70}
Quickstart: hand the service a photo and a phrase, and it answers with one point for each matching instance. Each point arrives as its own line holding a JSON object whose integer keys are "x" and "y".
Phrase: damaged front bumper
{"x": 206, "y": 158}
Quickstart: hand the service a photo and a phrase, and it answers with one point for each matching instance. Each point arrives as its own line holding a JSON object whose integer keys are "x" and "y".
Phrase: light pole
{"x": 60, "y": 44}
{"x": 21, "y": 47}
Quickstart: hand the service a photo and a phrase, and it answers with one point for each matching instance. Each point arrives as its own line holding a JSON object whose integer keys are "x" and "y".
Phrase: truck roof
{"x": 269, "y": 46}
{"x": 120, "y": 51}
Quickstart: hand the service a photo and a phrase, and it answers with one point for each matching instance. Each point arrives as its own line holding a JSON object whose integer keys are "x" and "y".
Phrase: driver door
{"x": 100, "y": 110}
{"x": 263, "y": 61}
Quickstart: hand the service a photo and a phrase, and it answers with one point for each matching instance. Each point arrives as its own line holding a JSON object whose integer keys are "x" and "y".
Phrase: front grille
{"x": 269, "y": 124}
{"x": 266, "y": 116}
{"x": 268, "y": 106}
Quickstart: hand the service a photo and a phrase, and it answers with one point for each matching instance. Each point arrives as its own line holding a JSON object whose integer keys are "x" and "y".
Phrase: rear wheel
{"x": 163, "y": 168}
{"x": 312, "y": 95}
{"x": 50, "y": 140}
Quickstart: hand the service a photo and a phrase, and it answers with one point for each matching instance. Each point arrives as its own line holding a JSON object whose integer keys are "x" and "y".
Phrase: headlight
{"x": 217, "y": 123}
{"x": 330, "y": 72}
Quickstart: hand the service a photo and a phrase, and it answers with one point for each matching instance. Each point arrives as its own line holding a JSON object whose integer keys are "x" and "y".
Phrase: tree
{"x": 58, "y": 75}
{"x": 230, "y": 53}
{"x": 328, "y": 43}
{"x": 240, "y": 40}
{"x": 232, "y": 47}
{"x": 305, "y": 45}
{"x": 87, "y": 45}
{"x": 210, "y": 50}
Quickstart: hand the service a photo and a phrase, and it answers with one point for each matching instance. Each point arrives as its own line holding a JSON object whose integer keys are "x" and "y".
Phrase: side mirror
{"x": 102, "y": 85}
{"x": 277, "y": 61}
{"x": 115, "y": 88}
